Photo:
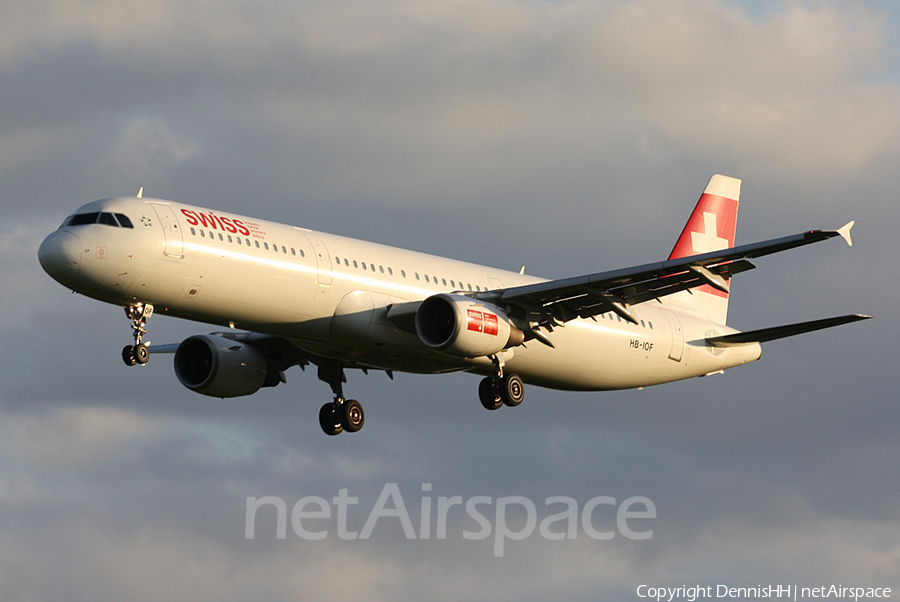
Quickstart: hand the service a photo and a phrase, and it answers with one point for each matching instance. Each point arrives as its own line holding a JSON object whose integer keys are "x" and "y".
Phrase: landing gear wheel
{"x": 352, "y": 415}
{"x": 512, "y": 389}
{"x": 329, "y": 421}
{"x": 128, "y": 355}
{"x": 141, "y": 354}
{"x": 488, "y": 396}
{"x": 138, "y": 353}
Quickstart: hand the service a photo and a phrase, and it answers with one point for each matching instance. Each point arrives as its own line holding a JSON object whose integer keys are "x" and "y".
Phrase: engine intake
{"x": 219, "y": 367}
{"x": 462, "y": 326}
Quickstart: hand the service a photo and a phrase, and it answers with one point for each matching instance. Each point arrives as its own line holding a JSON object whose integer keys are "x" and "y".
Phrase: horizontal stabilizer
{"x": 167, "y": 348}
{"x": 780, "y": 332}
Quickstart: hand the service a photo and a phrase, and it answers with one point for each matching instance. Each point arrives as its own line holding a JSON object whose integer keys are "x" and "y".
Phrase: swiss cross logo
{"x": 709, "y": 239}
{"x": 710, "y": 228}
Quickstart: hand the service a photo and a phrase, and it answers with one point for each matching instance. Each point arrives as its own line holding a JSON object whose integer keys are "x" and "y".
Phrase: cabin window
{"x": 453, "y": 284}
{"x": 293, "y": 251}
{"x": 221, "y": 238}
{"x": 266, "y": 246}
{"x": 257, "y": 243}
{"x": 237, "y": 239}
{"x": 651, "y": 325}
{"x": 229, "y": 238}
{"x": 202, "y": 234}
{"x": 390, "y": 271}
{"x": 426, "y": 278}
{"x": 417, "y": 275}
{"x": 403, "y": 273}
{"x": 193, "y": 232}
{"x": 381, "y": 269}
{"x": 355, "y": 264}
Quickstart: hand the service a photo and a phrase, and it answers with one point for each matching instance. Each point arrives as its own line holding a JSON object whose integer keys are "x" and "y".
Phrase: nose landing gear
{"x": 138, "y": 353}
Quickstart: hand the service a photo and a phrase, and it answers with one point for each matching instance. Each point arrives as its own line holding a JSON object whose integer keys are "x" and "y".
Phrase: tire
{"x": 487, "y": 396}
{"x": 352, "y": 416}
{"x": 141, "y": 354}
{"x": 128, "y": 355}
{"x": 328, "y": 421}
{"x": 512, "y": 390}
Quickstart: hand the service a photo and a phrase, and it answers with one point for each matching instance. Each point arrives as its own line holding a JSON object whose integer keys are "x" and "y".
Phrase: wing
{"x": 557, "y": 301}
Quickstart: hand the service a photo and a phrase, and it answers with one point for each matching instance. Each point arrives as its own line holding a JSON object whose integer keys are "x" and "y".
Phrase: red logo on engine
{"x": 491, "y": 324}
{"x": 483, "y": 322}
{"x": 476, "y": 320}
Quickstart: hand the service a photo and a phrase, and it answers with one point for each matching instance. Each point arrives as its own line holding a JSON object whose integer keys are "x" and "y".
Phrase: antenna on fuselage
{"x": 140, "y": 193}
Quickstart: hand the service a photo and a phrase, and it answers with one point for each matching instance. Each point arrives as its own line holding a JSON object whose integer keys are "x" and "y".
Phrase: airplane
{"x": 291, "y": 296}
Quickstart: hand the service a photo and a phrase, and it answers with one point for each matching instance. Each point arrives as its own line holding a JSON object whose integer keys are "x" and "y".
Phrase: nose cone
{"x": 59, "y": 255}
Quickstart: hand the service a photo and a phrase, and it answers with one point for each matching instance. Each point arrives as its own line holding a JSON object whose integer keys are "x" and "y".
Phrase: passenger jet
{"x": 290, "y": 296}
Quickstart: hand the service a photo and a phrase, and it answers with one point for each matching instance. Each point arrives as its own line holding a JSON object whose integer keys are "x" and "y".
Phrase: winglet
{"x": 140, "y": 193}
{"x": 845, "y": 232}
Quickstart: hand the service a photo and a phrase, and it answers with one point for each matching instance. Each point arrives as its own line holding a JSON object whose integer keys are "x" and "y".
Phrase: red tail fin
{"x": 711, "y": 227}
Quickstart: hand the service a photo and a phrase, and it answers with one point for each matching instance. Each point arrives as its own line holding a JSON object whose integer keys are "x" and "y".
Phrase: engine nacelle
{"x": 219, "y": 367}
{"x": 462, "y": 326}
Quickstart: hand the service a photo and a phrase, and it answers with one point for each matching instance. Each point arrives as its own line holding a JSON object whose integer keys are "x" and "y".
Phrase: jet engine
{"x": 462, "y": 326}
{"x": 219, "y": 367}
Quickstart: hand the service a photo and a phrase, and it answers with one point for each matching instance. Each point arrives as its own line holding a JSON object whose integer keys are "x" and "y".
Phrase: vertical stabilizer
{"x": 711, "y": 227}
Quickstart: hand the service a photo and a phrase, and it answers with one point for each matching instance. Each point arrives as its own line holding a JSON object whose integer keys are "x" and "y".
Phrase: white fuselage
{"x": 330, "y": 295}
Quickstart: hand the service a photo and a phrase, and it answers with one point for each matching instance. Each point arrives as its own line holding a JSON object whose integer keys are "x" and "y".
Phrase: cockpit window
{"x": 124, "y": 221}
{"x": 84, "y": 218}
{"x": 108, "y": 219}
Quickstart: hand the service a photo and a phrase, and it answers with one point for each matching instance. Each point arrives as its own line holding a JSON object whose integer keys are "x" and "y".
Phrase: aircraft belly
{"x": 591, "y": 357}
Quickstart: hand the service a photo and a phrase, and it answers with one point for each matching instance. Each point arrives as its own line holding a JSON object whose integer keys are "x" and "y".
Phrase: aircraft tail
{"x": 711, "y": 227}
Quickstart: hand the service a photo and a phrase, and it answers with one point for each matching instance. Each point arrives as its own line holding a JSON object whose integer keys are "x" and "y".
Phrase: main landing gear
{"x": 501, "y": 389}
{"x": 138, "y": 353}
{"x": 341, "y": 414}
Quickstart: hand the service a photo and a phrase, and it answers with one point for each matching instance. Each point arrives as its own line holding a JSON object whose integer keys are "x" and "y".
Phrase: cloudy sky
{"x": 570, "y": 137}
